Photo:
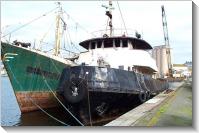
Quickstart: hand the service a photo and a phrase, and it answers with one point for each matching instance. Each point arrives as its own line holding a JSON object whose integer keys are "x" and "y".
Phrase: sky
{"x": 85, "y": 18}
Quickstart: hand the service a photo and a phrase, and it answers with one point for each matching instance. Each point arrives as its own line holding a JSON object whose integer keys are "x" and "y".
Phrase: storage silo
{"x": 160, "y": 54}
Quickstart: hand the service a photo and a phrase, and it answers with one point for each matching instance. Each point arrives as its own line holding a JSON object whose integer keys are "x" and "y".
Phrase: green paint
{"x": 17, "y": 69}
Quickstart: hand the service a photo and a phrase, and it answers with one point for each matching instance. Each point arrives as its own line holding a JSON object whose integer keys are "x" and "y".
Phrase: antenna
{"x": 109, "y": 14}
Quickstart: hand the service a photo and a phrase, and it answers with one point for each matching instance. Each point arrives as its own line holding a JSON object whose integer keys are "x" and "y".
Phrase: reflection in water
{"x": 11, "y": 115}
{"x": 10, "y": 112}
{"x": 39, "y": 118}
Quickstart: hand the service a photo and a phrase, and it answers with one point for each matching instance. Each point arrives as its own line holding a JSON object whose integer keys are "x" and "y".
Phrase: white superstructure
{"x": 125, "y": 53}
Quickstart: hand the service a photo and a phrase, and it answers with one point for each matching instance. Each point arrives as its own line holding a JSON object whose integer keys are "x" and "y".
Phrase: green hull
{"x": 33, "y": 75}
{"x": 30, "y": 71}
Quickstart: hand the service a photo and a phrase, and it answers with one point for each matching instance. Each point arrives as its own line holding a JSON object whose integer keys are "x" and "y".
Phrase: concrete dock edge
{"x": 130, "y": 118}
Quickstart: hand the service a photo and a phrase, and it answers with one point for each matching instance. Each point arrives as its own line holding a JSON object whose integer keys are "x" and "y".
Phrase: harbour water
{"x": 10, "y": 112}
{"x": 11, "y": 115}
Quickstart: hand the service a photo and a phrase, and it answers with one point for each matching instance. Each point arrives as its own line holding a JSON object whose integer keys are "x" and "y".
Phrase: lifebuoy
{"x": 142, "y": 97}
{"x": 75, "y": 90}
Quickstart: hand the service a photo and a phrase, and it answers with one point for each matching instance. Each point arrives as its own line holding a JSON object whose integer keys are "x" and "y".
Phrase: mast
{"x": 110, "y": 22}
{"x": 109, "y": 14}
{"x": 58, "y": 31}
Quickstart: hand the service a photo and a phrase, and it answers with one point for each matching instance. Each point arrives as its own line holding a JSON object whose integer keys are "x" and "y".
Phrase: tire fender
{"x": 75, "y": 91}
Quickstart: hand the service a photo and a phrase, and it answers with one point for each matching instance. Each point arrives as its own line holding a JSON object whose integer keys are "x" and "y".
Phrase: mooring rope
{"x": 36, "y": 103}
{"x": 138, "y": 81}
{"x": 88, "y": 98}
{"x": 55, "y": 94}
{"x": 145, "y": 85}
{"x": 63, "y": 104}
{"x": 60, "y": 101}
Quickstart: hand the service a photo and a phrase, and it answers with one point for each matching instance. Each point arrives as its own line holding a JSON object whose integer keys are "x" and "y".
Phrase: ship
{"x": 114, "y": 72}
{"x": 34, "y": 74}
{"x": 111, "y": 73}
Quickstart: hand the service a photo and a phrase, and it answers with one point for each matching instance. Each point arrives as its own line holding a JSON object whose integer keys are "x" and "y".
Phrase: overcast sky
{"x": 89, "y": 16}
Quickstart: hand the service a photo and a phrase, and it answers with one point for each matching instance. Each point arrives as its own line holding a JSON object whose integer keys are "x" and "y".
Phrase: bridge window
{"x": 130, "y": 44}
{"x": 99, "y": 44}
{"x": 117, "y": 43}
{"x": 93, "y": 45}
{"x": 108, "y": 43}
{"x": 124, "y": 43}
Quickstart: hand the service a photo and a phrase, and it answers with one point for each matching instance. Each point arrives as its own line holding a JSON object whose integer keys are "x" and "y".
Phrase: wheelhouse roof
{"x": 137, "y": 43}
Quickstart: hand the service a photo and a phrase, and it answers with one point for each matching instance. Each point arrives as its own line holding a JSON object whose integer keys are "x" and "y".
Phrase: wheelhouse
{"x": 115, "y": 42}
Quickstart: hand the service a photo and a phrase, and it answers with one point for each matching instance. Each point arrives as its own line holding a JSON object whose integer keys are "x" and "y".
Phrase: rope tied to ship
{"x": 88, "y": 98}
{"x": 56, "y": 119}
{"x": 142, "y": 95}
{"x": 55, "y": 97}
{"x": 58, "y": 98}
{"x": 62, "y": 103}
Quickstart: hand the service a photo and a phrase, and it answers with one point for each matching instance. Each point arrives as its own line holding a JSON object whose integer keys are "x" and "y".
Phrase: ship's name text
{"x": 41, "y": 72}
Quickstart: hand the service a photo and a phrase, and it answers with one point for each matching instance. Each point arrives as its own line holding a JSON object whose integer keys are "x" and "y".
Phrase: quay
{"x": 169, "y": 108}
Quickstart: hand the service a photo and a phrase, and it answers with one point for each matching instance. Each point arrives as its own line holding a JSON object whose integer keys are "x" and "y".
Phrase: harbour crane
{"x": 166, "y": 40}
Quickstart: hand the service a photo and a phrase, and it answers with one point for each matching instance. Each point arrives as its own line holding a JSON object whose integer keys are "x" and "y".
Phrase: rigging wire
{"x": 122, "y": 17}
{"x": 41, "y": 40}
{"x": 71, "y": 40}
{"x": 79, "y": 24}
{"x": 30, "y": 22}
{"x": 66, "y": 37}
{"x": 69, "y": 51}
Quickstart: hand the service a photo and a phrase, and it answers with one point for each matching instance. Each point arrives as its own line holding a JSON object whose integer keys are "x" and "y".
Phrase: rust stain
{"x": 43, "y": 99}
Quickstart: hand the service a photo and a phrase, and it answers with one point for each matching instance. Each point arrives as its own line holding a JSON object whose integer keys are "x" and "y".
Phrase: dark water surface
{"x": 10, "y": 112}
{"x": 11, "y": 115}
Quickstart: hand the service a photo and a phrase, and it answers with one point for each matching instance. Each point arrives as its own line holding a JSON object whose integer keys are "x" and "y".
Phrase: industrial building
{"x": 161, "y": 54}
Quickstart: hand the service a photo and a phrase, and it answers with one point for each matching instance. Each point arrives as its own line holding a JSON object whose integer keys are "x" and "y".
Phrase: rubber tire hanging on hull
{"x": 148, "y": 95}
{"x": 78, "y": 85}
{"x": 142, "y": 97}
